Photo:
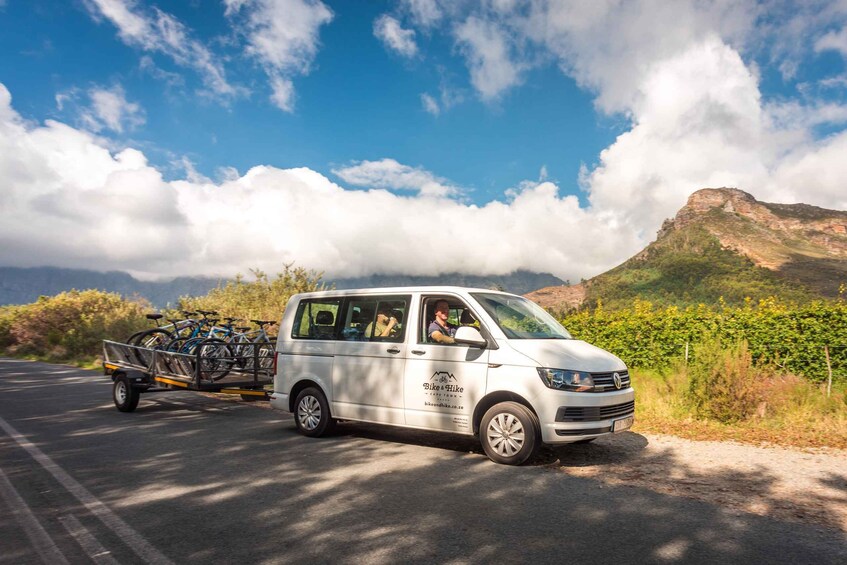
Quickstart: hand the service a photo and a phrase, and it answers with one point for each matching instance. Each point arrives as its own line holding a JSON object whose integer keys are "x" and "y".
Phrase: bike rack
{"x": 165, "y": 370}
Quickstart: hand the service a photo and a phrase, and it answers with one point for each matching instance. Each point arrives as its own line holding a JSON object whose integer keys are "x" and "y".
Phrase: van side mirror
{"x": 467, "y": 335}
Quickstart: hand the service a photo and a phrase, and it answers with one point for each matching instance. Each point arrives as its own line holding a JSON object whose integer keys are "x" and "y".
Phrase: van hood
{"x": 567, "y": 354}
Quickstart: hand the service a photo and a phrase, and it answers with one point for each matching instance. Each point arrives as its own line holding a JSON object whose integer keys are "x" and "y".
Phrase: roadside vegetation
{"x": 264, "y": 298}
{"x": 766, "y": 373}
{"x": 69, "y": 327}
{"x": 757, "y": 372}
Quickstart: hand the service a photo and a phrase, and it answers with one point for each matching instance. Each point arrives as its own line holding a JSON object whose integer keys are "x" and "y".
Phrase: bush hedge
{"x": 70, "y": 326}
{"x": 787, "y": 336}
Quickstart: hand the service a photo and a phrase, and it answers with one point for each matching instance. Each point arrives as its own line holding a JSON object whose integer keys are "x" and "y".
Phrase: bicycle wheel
{"x": 151, "y": 339}
{"x": 216, "y": 359}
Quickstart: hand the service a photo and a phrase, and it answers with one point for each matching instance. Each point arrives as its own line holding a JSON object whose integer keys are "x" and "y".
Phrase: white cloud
{"x": 697, "y": 114}
{"x": 110, "y": 109}
{"x": 107, "y": 108}
{"x": 388, "y": 30}
{"x": 282, "y": 92}
{"x": 283, "y": 36}
{"x": 430, "y": 104}
{"x": 447, "y": 98}
{"x": 486, "y": 47}
{"x": 388, "y": 173}
{"x": 425, "y": 13}
{"x": 159, "y": 32}
{"x": 69, "y": 201}
{"x": 834, "y": 40}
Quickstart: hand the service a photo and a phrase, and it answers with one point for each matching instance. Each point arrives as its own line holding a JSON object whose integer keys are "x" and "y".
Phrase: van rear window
{"x": 316, "y": 319}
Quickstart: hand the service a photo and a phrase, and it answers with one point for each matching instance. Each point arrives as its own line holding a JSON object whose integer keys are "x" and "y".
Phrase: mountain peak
{"x": 707, "y": 205}
{"x": 725, "y": 243}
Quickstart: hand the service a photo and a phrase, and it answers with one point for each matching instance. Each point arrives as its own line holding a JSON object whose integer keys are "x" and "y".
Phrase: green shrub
{"x": 723, "y": 383}
{"x": 262, "y": 299}
{"x": 785, "y": 335}
{"x": 69, "y": 326}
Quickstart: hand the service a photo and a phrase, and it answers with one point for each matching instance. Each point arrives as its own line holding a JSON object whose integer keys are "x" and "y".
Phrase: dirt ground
{"x": 789, "y": 484}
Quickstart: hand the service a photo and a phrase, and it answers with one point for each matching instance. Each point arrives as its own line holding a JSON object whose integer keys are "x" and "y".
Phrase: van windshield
{"x": 520, "y": 318}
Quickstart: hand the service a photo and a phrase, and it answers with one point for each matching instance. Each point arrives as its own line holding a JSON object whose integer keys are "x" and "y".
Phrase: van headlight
{"x": 563, "y": 379}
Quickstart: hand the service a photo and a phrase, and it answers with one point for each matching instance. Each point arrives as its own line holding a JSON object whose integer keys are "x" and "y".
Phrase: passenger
{"x": 440, "y": 330}
{"x": 384, "y": 326}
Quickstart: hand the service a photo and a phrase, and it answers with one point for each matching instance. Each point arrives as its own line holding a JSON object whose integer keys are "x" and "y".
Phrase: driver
{"x": 440, "y": 330}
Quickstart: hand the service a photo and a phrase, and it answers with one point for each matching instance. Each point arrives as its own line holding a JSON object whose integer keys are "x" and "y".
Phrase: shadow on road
{"x": 214, "y": 481}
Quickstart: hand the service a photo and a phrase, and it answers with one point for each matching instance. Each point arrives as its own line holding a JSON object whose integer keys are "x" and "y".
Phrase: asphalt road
{"x": 190, "y": 478}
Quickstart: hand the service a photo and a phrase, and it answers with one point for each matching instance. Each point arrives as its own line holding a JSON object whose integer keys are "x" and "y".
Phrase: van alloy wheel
{"x": 309, "y": 412}
{"x": 506, "y": 434}
{"x": 509, "y": 433}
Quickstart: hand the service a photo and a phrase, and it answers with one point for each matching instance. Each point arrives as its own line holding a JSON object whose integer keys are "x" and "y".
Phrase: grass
{"x": 791, "y": 412}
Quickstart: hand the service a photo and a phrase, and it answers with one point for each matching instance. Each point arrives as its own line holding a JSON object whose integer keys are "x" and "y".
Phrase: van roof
{"x": 433, "y": 289}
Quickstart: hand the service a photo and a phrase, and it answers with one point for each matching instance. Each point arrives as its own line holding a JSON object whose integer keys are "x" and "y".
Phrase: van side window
{"x": 459, "y": 315}
{"x": 375, "y": 319}
{"x": 316, "y": 319}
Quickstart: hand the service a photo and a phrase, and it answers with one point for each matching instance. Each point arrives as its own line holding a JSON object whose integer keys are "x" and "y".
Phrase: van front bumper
{"x": 568, "y": 417}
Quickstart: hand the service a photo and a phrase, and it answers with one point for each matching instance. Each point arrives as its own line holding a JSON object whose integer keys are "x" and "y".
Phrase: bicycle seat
{"x": 263, "y": 322}
{"x": 154, "y": 316}
{"x": 242, "y": 328}
{"x": 207, "y": 312}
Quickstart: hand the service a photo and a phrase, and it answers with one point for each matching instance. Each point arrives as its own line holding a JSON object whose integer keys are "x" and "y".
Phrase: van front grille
{"x": 605, "y": 382}
{"x": 594, "y": 413}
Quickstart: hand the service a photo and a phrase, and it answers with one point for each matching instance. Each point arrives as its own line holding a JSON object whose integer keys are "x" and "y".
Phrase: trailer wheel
{"x": 126, "y": 398}
{"x": 311, "y": 413}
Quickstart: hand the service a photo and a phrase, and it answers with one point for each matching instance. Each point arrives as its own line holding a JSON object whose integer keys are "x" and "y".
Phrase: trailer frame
{"x": 234, "y": 369}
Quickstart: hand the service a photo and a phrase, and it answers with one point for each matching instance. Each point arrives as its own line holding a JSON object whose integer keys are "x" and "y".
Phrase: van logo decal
{"x": 443, "y": 391}
{"x": 617, "y": 378}
{"x": 442, "y": 377}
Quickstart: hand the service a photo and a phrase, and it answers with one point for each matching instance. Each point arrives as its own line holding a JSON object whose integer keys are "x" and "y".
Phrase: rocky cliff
{"x": 725, "y": 244}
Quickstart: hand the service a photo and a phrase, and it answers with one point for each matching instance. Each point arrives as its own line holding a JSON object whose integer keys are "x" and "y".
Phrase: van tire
{"x": 125, "y": 397}
{"x": 311, "y": 413}
{"x": 509, "y": 433}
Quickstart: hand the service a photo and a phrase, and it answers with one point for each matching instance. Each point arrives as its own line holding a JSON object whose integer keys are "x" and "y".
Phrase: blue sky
{"x": 416, "y": 136}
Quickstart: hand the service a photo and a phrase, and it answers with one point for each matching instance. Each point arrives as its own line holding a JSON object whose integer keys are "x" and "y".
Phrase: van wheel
{"x": 509, "y": 433}
{"x": 126, "y": 398}
{"x": 311, "y": 413}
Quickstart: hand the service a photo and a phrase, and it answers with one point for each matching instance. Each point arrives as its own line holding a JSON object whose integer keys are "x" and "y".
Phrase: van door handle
{"x": 418, "y": 351}
{"x": 394, "y": 350}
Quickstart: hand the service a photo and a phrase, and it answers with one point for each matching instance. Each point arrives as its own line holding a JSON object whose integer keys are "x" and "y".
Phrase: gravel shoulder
{"x": 808, "y": 486}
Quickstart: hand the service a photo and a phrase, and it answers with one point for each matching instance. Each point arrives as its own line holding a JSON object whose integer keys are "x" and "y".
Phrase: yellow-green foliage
{"x": 723, "y": 383}
{"x": 262, "y": 299}
{"x": 788, "y": 336}
{"x": 69, "y": 326}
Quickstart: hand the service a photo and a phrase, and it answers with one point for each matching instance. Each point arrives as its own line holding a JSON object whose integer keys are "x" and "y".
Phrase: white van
{"x": 513, "y": 376}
